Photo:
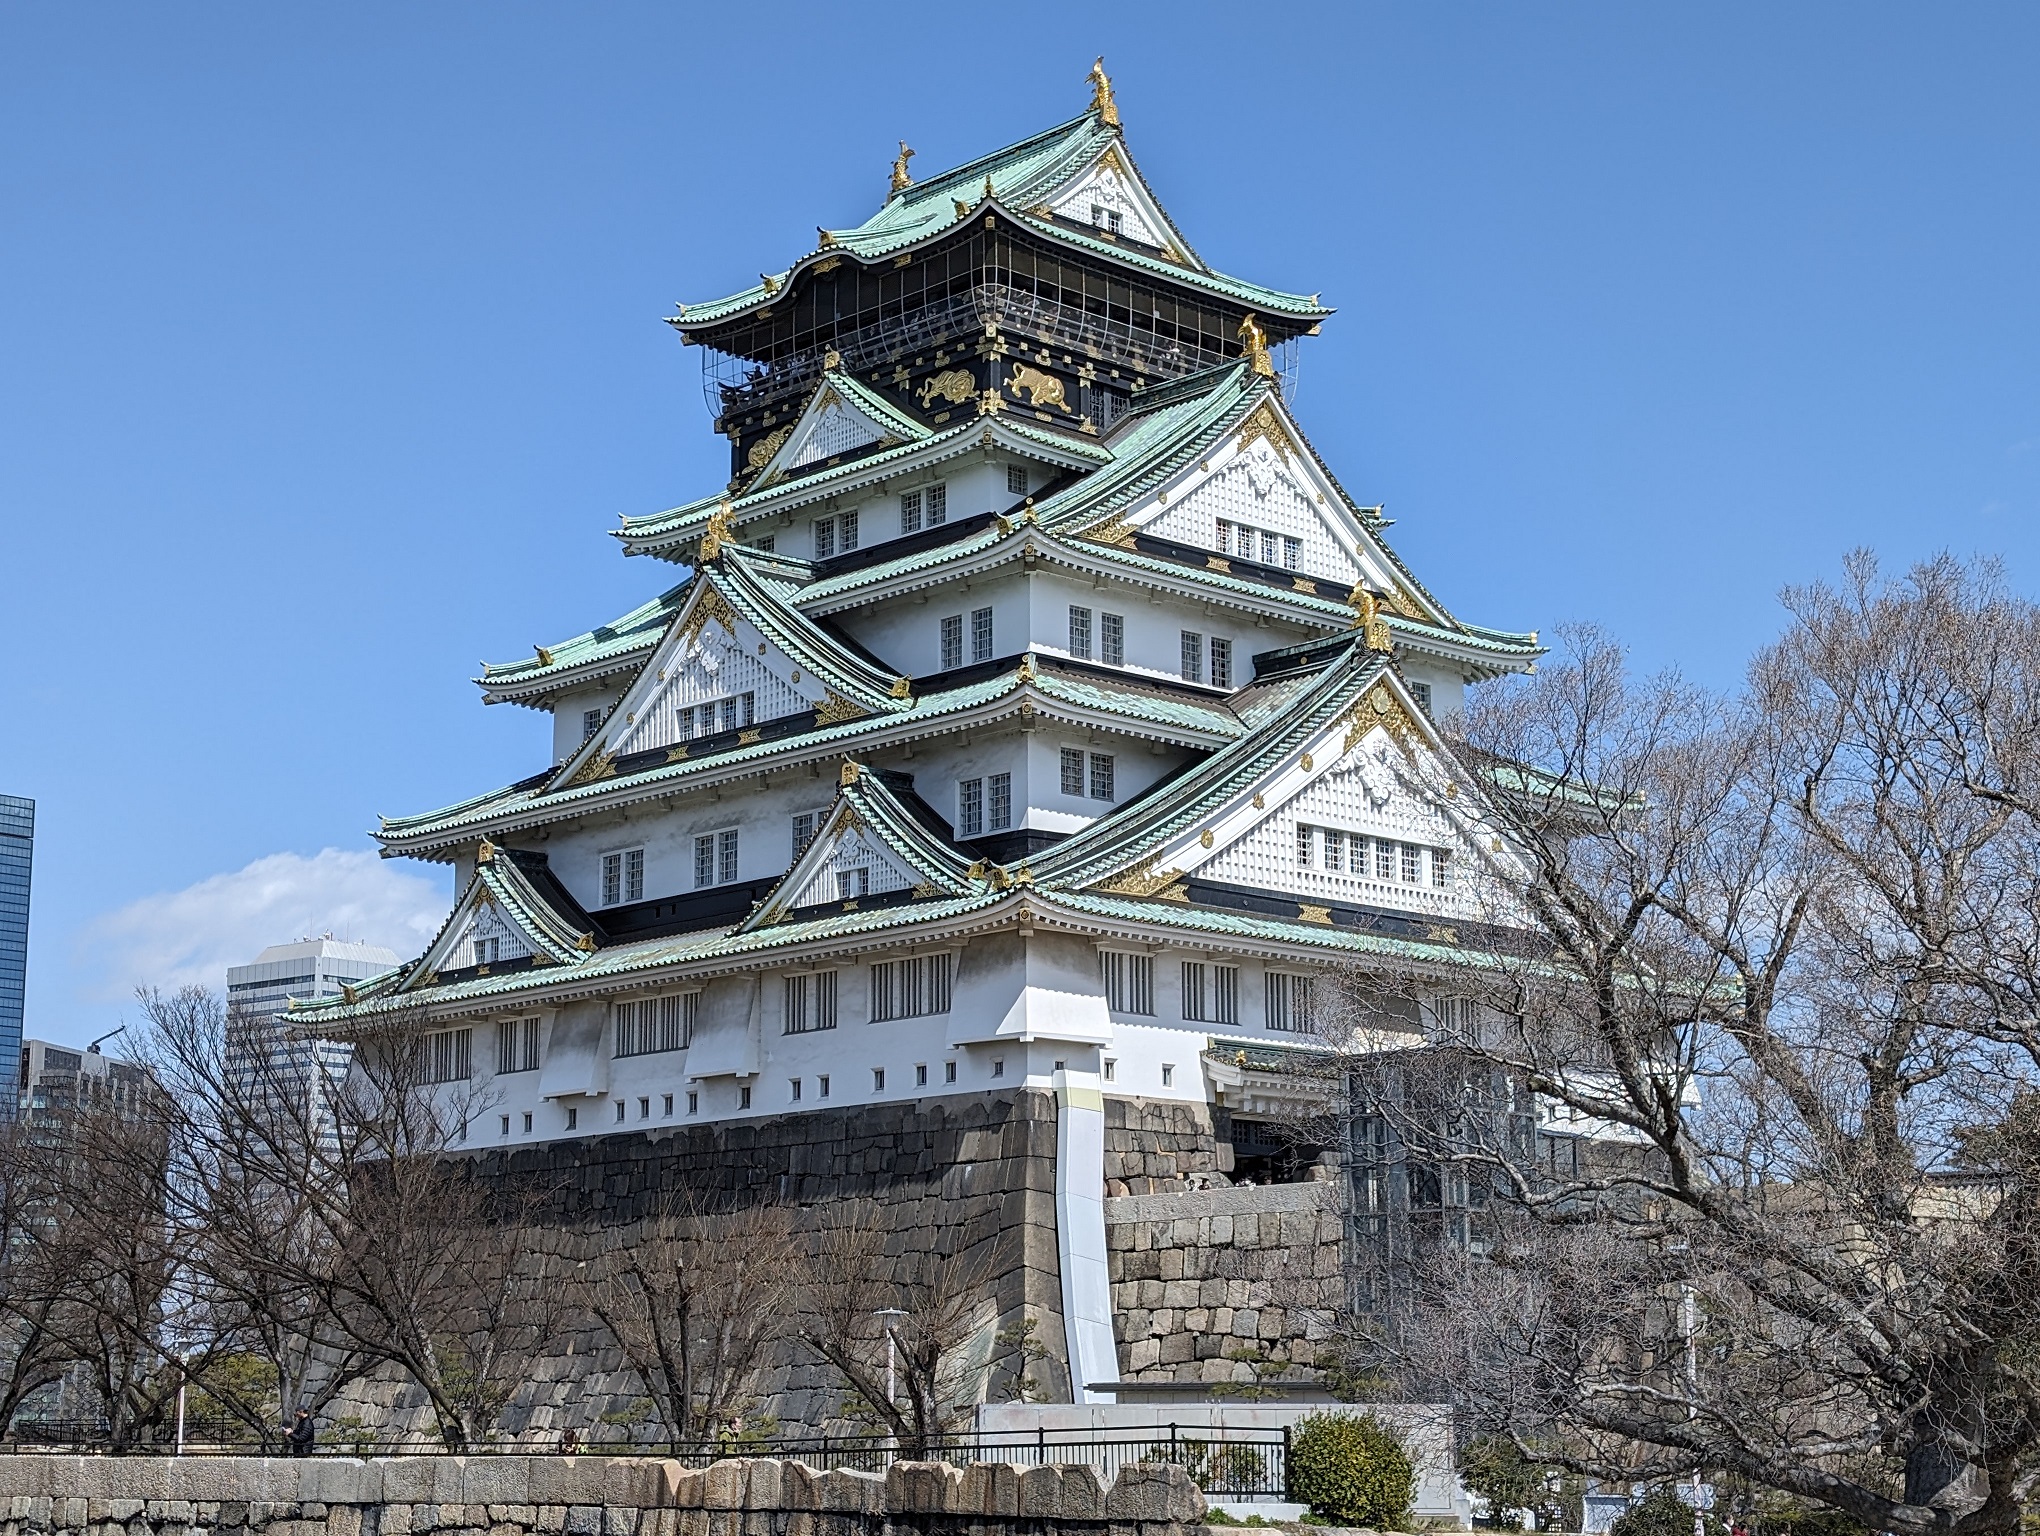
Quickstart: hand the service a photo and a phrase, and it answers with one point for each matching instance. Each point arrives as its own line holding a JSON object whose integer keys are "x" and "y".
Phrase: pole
{"x": 180, "y": 1407}
{"x": 1688, "y": 1317}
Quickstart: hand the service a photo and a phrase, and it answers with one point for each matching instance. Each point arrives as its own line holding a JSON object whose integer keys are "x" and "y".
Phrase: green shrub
{"x": 1661, "y": 1512}
{"x": 1351, "y": 1470}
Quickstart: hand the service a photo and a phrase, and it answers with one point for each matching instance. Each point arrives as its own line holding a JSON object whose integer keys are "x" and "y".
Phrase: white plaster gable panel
{"x": 1269, "y": 491}
{"x": 833, "y": 427}
{"x": 850, "y": 849}
{"x": 715, "y": 664}
{"x": 486, "y": 938}
{"x": 1107, "y": 186}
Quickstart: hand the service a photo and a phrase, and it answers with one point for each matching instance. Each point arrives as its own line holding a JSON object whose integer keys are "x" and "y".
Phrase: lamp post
{"x": 891, "y": 1357}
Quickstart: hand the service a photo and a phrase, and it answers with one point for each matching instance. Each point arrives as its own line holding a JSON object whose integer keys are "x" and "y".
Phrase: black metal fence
{"x": 1232, "y": 1464}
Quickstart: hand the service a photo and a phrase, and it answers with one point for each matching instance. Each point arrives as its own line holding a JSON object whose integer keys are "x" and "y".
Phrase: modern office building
{"x": 58, "y": 1082}
{"x": 259, "y": 1048}
{"x": 17, "y": 848}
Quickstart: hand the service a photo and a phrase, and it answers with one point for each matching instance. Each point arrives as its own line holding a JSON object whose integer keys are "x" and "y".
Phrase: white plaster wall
{"x": 568, "y": 709}
{"x": 907, "y": 631}
{"x": 1155, "y": 622}
{"x": 974, "y": 486}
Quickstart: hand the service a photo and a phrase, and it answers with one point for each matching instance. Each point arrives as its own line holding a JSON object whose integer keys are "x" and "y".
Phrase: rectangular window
{"x": 998, "y": 1066}
{"x": 744, "y": 1096}
{"x": 1193, "y": 656}
{"x": 1211, "y": 993}
{"x": 1290, "y": 1002}
{"x": 650, "y": 1024}
{"x": 1112, "y": 639}
{"x": 1111, "y": 1070}
{"x": 825, "y": 537}
{"x": 852, "y": 883}
{"x": 1412, "y": 864}
{"x": 1335, "y": 850}
{"x": 1421, "y": 692}
{"x": 623, "y": 877}
{"x": 768, "y": 543}
{"x": 488, "y": 951}
{"x": 1225, "y": 994}
{"x": 1072, "y": 771}
{"x": 910, "y": 988}
{"x": 668, "y": 1102}
{"x": 725, "y": 857}
{"x": 704, "y": 861}
{"x": 805, "y": 825}
{"x": 1221, "y": 663}
{"x": 1101, "y": 775}
{"x": 693, "y": 1102}
{"x": 447, "y": 1055}
{"x": 822, "y": 1086}
{"x": 506, "y": 1123}
{"x": 910, "y": 512}
{"x": 981, "y": 634}
{"x": 622, "y": 1109}
{"x": 878, "y": 1079}
{"x": 952, "y": 642}
{"x": 1305, "y": 845}
{"x": 948, "y": 1071}
{"x": 999, "y": 802}
{"x": 527, "y": 1122}
{"x": 970, "y": 807}
{"x": 1441, "y": 867}
{"x": 1195, "y": 1005}
{"x": 1016, "y": 479}
{"x": 591, "y": 722}
{"x": 938, "y": 505}
{"x": 1292, "y": 551}
{"x": 920, "y": 1074}
{"x": 810, "y": 1002}
{"x": 1080, "y": 633}
{"x": 1384, "y": 859}
{"x": 835, "y": 535}
{"x": 793, "y": 1084}
{"x": 573, "y": 1117}
{"x": 517, "y": 1045}
{"x": 1129, "y": 981}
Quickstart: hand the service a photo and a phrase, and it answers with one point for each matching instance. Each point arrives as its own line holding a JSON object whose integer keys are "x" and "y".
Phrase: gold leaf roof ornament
{"x": 1367, "y": 617}
{"x": 762, "y": 450}
{"x": 900, "y": 179}
{"x": 962, "y": 208}
{"x": 544, "y": 655}
{"x": 585, "y": 944}
{"x": 348, "y": 994}
{"x": 1254, "y": 347}
{"x": 902, "y": 689}
{"x": 720, "y": 531}
{"x": 848, "y": 776}
{"x": 486, "y": 853}
{"x": 1101, "y": 94}
{"x": 832, "y": 359}
{"x": 825, "y": 238}
{"x": 771, "y": 283}
{"x": 989, "y": 194}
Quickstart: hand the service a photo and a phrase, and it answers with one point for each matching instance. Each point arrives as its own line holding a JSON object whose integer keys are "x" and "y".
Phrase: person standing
{"x": 301, "y": 1433}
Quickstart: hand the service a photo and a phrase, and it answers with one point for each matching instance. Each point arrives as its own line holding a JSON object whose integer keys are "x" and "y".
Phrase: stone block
{"x": 1180, "y": 1293}
{"x": 1154, "y": 1495}
{"x": 797, "y": 1488}
{"x": 619, "y": 1520}
{"x": 407, "y": 1479}
{"x": 343, "y": 1520}
{"x": 1041, "y": 1493}
{"x": 923, "y": 1488}
{"x": 723, "y": 1485}
{"x": 552, "y": 1519}
{"x": 1083, "y": 1493}
{"x": 396, "y": 1520}
{"x": 584, "y": 1520}
{"x": 1143, "y": 1353}
{"x": 849, "y": 1492}
{"x": 1178, "y": 1349}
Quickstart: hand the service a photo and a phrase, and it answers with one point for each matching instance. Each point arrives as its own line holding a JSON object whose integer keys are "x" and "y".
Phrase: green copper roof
{"x": 606, "y": 648}
{"x": 1023, "y": 176}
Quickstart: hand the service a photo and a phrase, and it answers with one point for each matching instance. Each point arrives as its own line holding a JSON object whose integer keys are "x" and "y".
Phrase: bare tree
{"x": 34, "y": 1296}
{"x": 693, "y": 1298}
{"x": 926, "y": 1319}
{"x": 1741, "y": 1099}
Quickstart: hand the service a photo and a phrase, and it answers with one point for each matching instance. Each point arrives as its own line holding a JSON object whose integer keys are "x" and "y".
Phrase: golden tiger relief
{"x": 955, "y": 386}
{"x": 762, "y": 450}
{"x": 1041, "y": 388}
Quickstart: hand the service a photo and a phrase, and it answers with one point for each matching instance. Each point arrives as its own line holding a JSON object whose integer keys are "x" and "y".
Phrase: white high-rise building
{"x": 258, "y": 994}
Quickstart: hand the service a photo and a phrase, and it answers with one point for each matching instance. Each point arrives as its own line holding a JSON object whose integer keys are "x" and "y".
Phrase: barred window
{"x": 715, "y": 858}
{"x": 938, "y": 505}
{"x": 1112, "y": 639}
{"x": 1016, "y": 479}
{"x": 517, "y": 1045}
{"x": 1101, "y": 775}
{"x": 970, "y": 807}
{"x": 852, "y": 883}
{"x": 591, "y": 722}
{"x": 1412, "y": 863}
{"x": 805, "y": 825}
{"x": 1421, "y": 692}
{"x": 725, "y": 857}
{"x": 981, "y": 634}
{"x": 1335, "y": 850}
{"x": 999, "y": 802}
{"x": 910, "y": 512}
{"x": 1291, "y": 1002}
{"x": 910, "y": 988}
{"x": 835, "y": 535}
{"x": 647, "y": 1025}
{"x": 1129, "y": 981}
{"x": 1221, "y": 663}
{"x": 952, "y": 641}
{"x": 1211, "y": 993}
{"x": 448, "y": 1055}
{"x": 1072, "y": 771}
{"x": 1305, "y": 840}
{"x": 623, "y": 877}
{"x": 1080, "y": 633}
{"x": 1441, "y": 867}
{"x": 1384, "y": 859}
{"x": 1193, "y": 656}
{"x": 810, "y": 1002}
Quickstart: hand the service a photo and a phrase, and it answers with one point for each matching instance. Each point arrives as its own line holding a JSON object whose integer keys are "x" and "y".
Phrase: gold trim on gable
{"x": 1142, "y": 880}
{"x": 1265, "y": 424}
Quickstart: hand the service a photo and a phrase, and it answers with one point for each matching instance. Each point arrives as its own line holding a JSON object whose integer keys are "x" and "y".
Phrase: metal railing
{"x": 1234, "y": 1464}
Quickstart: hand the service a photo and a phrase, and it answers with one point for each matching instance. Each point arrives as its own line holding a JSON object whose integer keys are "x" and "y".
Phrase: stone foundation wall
{"x": 1154, "y": 1145}
{"x": 582, "y": 1496}
{"x": 954, "y": 1173}
{"x": 1224, "y": 1285}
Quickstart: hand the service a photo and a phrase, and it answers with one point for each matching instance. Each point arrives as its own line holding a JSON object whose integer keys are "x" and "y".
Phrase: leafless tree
{"x": 931, "y": 1315}
{"x": 693, "y": 1297}
{"x": 1764, "y": 970}
{"x": 34, "y": 1296}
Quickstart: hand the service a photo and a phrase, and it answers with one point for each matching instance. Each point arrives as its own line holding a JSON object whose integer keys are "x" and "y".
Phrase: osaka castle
{"x": 1032, "y": 710}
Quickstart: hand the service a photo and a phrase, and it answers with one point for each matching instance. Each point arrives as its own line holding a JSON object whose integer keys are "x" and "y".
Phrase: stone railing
{"x": 576, "y": 1496}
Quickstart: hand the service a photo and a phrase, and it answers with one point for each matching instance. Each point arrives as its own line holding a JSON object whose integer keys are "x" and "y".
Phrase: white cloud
{"x": 193, "y": 935}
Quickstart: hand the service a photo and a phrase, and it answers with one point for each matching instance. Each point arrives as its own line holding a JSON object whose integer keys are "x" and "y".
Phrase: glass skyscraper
{"x": 17, "y": 847}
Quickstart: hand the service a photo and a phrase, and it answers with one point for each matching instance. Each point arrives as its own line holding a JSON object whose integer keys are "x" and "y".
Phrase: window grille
{"x": 1193, "y": 656}
{"x": 517, "y": 1045}
{"x": 1441, "y": 868}
{"x": 910, "y": 988}
{"x": 1129, "y": 981}
{"x": 835, "y": 535}
{"x": 1072, "y": 771}
{"x": 768, "y": 543}
{"x": 938, "y": 505}
{"x": 725, "y": 857}
{"x": 648, "y": 1025}
{"x": 1101, "y": 775}
{"x": 1112, "y": 639}
{"x": 1080, "y": 633}
{"x": 1304, "y": 846}
{"x": 488, "y": 951}
{"x": 981, "y": 634}
{"x": 1211, "y": 993}
{"x": 852, "y": 883}
{"x": 970, "y": 807}
{"x": 1221, "y": 663}
{"x": 715, "y": 858}
{"x": 1412, "y": 863}
{"x": 591, "y": 722}
{"x": 910, "y": 512}
{"x": 704, "y": 861}
{"x": 952, "y": 641}
{"x": 1421, "y": 692}
{"x": 1291, "y": 1003}
{"x": 623, "y": 877}
{"x": 1016, "y": 479}
{"x": 810, "y": 1002}
{"x": 447, "y": 1055}
{"x": 1384, "y": 859}
{"x": 999, "y": 802}
{"x": 805, "y": 825}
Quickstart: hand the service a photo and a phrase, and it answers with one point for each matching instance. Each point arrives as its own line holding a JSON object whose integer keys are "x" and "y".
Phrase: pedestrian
{"x": 570, "y": 1443}
{"x": 301, "y": 1433}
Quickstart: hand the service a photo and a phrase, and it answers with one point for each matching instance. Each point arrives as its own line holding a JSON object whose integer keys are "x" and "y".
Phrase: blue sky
{"x": 330, "y": 348}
